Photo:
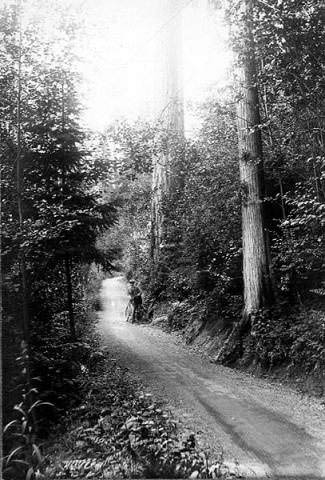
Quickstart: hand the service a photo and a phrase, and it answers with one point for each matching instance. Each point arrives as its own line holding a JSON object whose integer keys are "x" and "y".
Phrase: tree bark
{"x": 1, "y": 319}
{"x": 67, "y": 262}
{"x": 256, "y": 271}
{"x": 25, "y": 344}
{"x": 170, "y": 121}
{"x": 19, "y": 190}
{"x": 67, "y": 259}
{"x": 283, "y": 208}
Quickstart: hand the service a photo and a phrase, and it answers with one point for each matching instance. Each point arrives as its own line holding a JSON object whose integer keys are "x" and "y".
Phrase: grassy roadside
{"x": 120, "y": 431}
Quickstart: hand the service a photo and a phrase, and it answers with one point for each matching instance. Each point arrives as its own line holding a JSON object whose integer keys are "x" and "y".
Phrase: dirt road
{"x": 269, "y": 429}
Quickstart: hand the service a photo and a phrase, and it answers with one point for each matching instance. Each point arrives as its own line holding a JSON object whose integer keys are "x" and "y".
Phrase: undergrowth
{"x": 295, "y": 339}
{"x": 119, "y": 431}
{"x": 291, "y": 338}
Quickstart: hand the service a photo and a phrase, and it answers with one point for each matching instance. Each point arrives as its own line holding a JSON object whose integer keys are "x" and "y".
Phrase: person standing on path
{"x": 135, "y": 300}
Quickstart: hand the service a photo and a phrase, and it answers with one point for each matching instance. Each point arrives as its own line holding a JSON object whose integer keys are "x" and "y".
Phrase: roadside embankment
{"x": 282, "y": 346}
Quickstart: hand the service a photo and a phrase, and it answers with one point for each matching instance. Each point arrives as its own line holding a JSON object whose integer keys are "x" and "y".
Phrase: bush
{"x": 296, "y": 339}
{"x": 121, "y": 432}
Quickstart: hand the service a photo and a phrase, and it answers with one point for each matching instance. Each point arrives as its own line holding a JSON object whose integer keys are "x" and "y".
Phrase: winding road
{"x": 272, "y": 431}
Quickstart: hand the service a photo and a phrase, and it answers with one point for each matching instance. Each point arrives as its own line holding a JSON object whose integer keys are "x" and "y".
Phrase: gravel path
{"x": 269, "y": 429}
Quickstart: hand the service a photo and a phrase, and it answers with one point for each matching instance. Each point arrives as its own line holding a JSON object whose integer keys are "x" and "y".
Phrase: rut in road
{"x": 269, "y": 429}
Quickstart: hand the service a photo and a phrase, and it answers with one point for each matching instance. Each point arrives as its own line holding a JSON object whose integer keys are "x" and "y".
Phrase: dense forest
{"x": 223, "y": 230}
{"x": 268, "y": 211}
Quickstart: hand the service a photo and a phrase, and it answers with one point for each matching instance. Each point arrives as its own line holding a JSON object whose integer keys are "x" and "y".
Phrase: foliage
{"x": 295, "y": 339}
{"x": 206, "y": 237}
{"x": 24, "y": 459}
{"x": 200, "y": 236}
{"x": 192, "y": 243}
{"x": 127, "y": 150}
{"x": 203, "y": 212}
{"x": 54, "y": 237}
{"x": 87, "y": 199}
{"x": 119, "y": 431}
{"x": 59, "y": 365}
{"x": 299, "y": 252}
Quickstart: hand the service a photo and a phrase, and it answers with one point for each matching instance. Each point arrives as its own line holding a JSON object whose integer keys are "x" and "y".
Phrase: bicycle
{"x": 129, "y": 312}
{"x": 133, "y": 312}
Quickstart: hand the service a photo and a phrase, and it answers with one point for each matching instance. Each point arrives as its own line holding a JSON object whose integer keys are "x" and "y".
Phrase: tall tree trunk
{"x": 19, "y": 190}
{"x": 67, "y": 259}
{"x": 25, "y": 344}
{"x": 283, "y": 207}
{"x": 67, "y": 263}
{"x": 171, "y": 118}
{"x": 1, "y": 319}
{"x": 256, "y": 271}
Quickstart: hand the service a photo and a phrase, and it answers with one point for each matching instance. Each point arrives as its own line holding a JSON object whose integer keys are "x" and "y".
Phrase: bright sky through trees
{"x": 121, "y": 48}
